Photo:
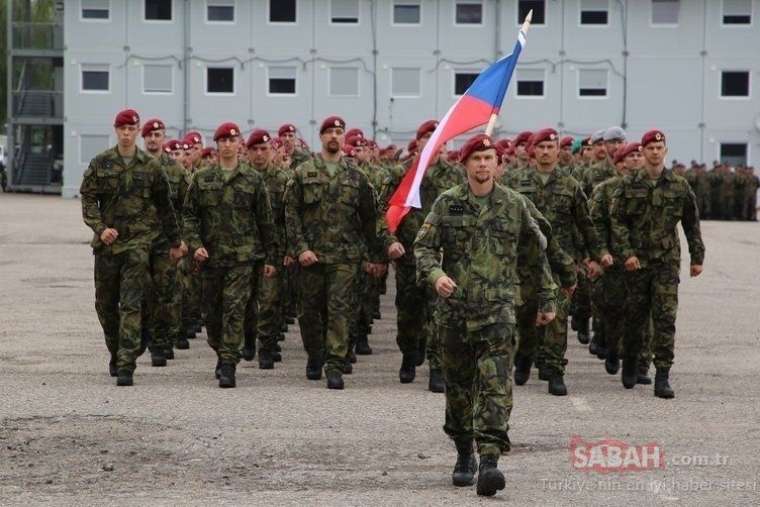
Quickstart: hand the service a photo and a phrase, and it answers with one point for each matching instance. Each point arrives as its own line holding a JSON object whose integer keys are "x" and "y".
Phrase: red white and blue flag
{"x": 481, "y": 100}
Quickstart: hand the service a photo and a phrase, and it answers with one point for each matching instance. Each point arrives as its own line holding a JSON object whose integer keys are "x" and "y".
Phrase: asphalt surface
{"x": 69, "y": 436}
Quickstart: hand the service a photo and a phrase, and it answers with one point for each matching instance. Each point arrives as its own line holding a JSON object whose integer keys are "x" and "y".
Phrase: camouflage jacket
{"x": 601, "y": 201}
{"x": 564, "y": 204}
{"x": 134, "y": 200}
{"x": 275, "y": 179}
{"x": 178, "y": 183}
{"x": 595, "y": 174}
{"x": 335, "y": 217}
{"x": 478, "y": 248}
{"x": 228, "y": 213}
{"x": 298, "y": 157}
{"x": 644, "y": 215}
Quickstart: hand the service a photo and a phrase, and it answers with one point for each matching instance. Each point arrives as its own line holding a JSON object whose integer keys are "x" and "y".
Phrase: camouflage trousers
{"x": 121, "y": 281}
{"x": 226, "y": 292}
{"x": 327, "y": 296}
{"x": 163, "y": 301}
{"x": 581, "y": 307}
{"x": 191, "y": 286}
{"x": 477, "y": 371}
{"x": 292, "y": 290}
{"x": 652, "y": 291}
{"x": 609, "y": 305}
{"x": 414, "y": 316}
{"x": 361, "y": 317}
{"x": 263, "y": 316}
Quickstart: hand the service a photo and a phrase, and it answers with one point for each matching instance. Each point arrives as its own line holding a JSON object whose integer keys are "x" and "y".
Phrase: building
{"x": 686, "y": 66}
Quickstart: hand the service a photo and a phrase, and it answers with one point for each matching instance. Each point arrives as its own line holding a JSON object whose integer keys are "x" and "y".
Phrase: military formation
{"x": 516, "y": 241}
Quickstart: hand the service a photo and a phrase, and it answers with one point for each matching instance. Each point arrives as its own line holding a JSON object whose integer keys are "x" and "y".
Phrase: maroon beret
{"x": 504, "y": 146}
{"x": 332, "y": 122}
{"x": 258, "y": 136}
{"x": 522, "y": 138}
{"x": 151, "y": 125}
{"x": 126, "y": 117}
{"x": 226, "y": 129}
{"x": 192, "y": 138}
{"x": 426, "y": 128}
{"x": 480, "y": 142}
{"x": 356, "y": 140}
{"x": 354, "y": 132}
{"x": 412, "y": 146}
{"x": 348, "y": 150}
{"x": 171, "y": 145}
{"x": 626, "y": 150}
{"x": 544, "y": 135}
{"x": 652, "y": 136}
{"x": 276, "y": 143}
{"x": 284, "y": 129}
{"x": 566, "y": 141}
{"x": 208, "y": 152}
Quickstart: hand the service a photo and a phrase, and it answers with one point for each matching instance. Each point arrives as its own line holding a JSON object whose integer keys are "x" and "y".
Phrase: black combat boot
{"x": 408, "y": 371}
{"x": 362, "y": 346}
{"x": 218, "y": 369}
{"x": 112, "y": 370}
{"x": 290, "y": 320}
{"x": 557, "y": 385}
{"x": 348, "y": 368}
{"x": 276, "y": 357}
{"x": 334, "y": 380}
{"x": 465, "y": 467}
{"x": 544, "y": 373}
{"x": 190, "y": 332}
{"x": 124, "y": 378}
{"x": 490, "y": 478}
{"x": 662, "y": 387}
{"x": 421, "y": 352}
{"x": 182, "y": 343}
{"x": 628, "y": 376}
{"x": 157, "y": 357}
{"x": 249, "y": 348}
{"x": 643, "y": 375}
{"x": 169, "y": 352}
{"x": 436, "y": 383}
{"x": 284, "y": 327}
{"x": 522, "y": 369}
{"x": 266, "y": 361}
{"x": 612, "y": 363}
{"x": 227, "y": 375}
{"x": 581, "y": 326}
{"x": 145, "y": 340}
{"x": 314, "y": 367}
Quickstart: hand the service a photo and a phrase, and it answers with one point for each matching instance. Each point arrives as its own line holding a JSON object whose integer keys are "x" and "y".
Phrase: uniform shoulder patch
{"x": 456, "y": 209}
{"x": 312, "y": 174}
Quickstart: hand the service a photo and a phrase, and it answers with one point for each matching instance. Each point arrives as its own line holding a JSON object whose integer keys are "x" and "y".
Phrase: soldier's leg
{"x": 250, "y": 323}
{"x": 270, "y": 317}
{"x": 638, "y": 285}
{"x": 107, "y": 280}
{"x": 554, "y": 345}
{"x": 664, "y": 309}
{"x": 340, "y": 287}
{"x": 430, "y": 329}
{"x": 213, "y": 285}
{"x": 581, "y": 308}
{"x": 134, "y": 280}
{"x": 235, "y": 295}
{"x": 458, "y": 361}
{"x": 410, "y": 319}
{"x": 527, "y": 339}
{"x": 310, "y": 316}
{"x": 163, "y": 276}
{"x": 612, "y": 305}
{"x": 361, "y": 323}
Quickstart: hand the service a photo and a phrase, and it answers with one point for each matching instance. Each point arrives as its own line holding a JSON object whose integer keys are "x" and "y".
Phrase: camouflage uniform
{"x": 643, "y": 218}
{"x": 227, "y": 212}
{"x": 135, "y": 200}
{"x": 333, "y": 215}
{"x": 480, "y": 242}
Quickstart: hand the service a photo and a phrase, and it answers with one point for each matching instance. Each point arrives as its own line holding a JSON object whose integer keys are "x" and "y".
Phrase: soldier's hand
{"x": 307, "y": 258}
{"x": 569, "y": 291}
{"x": 445, "y": 286}
{"x": 396, "y": 250}
{"x": 632, "y": 263}
{"x": 288, "y": 261}
{"x": 594, "y": 270}
{"x": 607, "y": 261}
{"x": 269, "y": 271}
{"x": 175, "y": 254}
{"x": 183, "y": 247}
{"x": 108, "y": 236}
{"x": 375, "y": 269}
{"x": 544, "y": 318}
{"x": 201, "y": 255}
{"x": 696, "y": 270}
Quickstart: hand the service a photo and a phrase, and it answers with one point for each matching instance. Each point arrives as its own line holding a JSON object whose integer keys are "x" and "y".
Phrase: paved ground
{"x": 68, "y": 436}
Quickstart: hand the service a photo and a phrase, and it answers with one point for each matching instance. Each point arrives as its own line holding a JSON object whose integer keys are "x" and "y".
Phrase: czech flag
{"x": 480, "y": 102}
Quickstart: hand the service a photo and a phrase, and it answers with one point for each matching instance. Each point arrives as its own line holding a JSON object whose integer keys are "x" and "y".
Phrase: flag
{"x": 481, "y": 100}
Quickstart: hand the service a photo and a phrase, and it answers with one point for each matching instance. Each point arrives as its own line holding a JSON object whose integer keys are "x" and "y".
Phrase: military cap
{"x": 356, "y": 141}
{"x": 544, "y": 135}
{"x": 151, "y": 125}
{"x": 613, "y": 133}
{"x": 586, "y": 142}
{"x": 652, "y": 136}
{"x": 566, "y": 141}
{"x": 226, "y": 129}
{"x": 480, "y": 142}
{"x": 208, "y": 152}
{"x": 354, "y": 132}
{"x": 258, "y": 136}
{"x": 192, "y": 138}
{"x": 597, "y": 137}
{"x": 626, "y": 150}
{"x": 126, "y": 117}
{"x": 426, "y": 128}
{"x": 412, "y": 146}
{"x": 522, "y": 138}
{"x": 171, "y": 145}
{"x": 284, "y": 129}
{"x": 277, "y": 143}
{"x": 332, "y": 122}
{"x": 348, "y": 150}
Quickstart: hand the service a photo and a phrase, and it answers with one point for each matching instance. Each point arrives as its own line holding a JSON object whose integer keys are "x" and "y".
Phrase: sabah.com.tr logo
{"x": 610, "y": 455}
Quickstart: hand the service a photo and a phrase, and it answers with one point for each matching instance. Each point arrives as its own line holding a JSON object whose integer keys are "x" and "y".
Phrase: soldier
{"x": 645, "y": 211}
{"x": 476, "y": 227}
{"x": 193, "y": 286}
{"x": 520, "y": 147}
{"x": 415, "y": 330}
{"x": 163, "y": 302}
{"x": 560, "y": 199}
{"x": 566, "y": 159}
{"x": 331, "y": 223}
{"x": 126, "y": 202}
{"x": 287, "y": 134}
{"x": 230, "y": 232}
{"x": 208, "y": 157}
{"x": 751, "y": 205}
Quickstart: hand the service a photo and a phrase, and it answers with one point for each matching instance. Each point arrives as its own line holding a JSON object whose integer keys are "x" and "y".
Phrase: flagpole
{"x": 494, "y": 116}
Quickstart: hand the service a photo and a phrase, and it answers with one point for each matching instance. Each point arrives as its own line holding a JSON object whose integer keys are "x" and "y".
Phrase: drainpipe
{"x": 186, "y": 67}
{"x": 624, "y": 29}
{"x": 703, "y": 54}
{"x": 11, "y": 152}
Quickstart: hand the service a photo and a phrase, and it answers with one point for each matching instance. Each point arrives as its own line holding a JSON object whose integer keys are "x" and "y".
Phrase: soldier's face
{"x": 546, "y": 153}
{"x": 655, "y": 153}
{"x": 154, "y": 140}
{"x": 613, "y": 145}
{"x": 363, "y": 153}
{"x": 127, "y": 135}
{"x": 422, "y": 141}
{"x": 260, "y": 154}
{"x": 566, "y": 154}
{"x": 600, "y": 151}
{"x": 481, "y": 165}
{"x": 228, "y": 147}
{"x": 289, "y": 140}
{"x": 332, "y": 139}
{"x": 633, "y": 161}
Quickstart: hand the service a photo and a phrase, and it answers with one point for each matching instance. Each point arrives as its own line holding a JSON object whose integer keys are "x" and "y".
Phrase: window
{"x": 220, "y": 80}
{"x": 344, "y": 11}
{"x": 407, "y": 13}
{"x": 96, "y": 10}
{"x": 158, "y": 10}
{"x": 405, "y": 82}
{"x": 592, "y": 83}
{"x": 733, "y": 153}
{"x": 737, "y": 12}
{"x": 462, "y": 81}
{"x": 594, "y": 12}
{"x": 282, "y": 80}
{"x": 158, "y": 79}
{"x": 220, "y": 11}
{"x": 734, "y": 83}
{"x": 469, "y": 13}
{"x": 530, "y": 82}
{"x": 282, "y": 11}
{"x": 95, "y": 78}
{"x": 665, "y": 12}
{"x": 539, "y": 11}
{"x": 344, "y": 82}
{"x": 90, "y": 146}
